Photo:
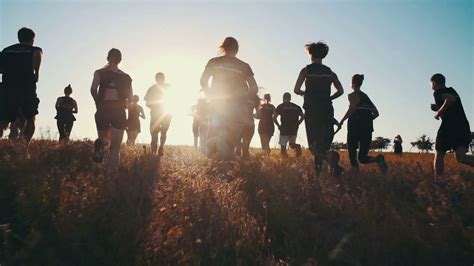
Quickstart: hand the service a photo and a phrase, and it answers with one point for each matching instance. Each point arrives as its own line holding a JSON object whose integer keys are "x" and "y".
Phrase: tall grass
{"x": 184, "y": 209}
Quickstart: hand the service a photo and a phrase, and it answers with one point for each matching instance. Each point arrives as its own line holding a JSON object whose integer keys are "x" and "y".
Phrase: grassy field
{"x": 182, "y": 209}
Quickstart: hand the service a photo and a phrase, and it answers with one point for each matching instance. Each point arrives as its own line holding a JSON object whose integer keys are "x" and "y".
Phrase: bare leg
{"x": 462, "y": 157}
{"x": 439, "y": 163}
{"x": 115, "y": 143}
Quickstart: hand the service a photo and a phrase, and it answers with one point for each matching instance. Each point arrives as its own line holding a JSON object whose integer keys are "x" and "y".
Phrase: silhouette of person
{"x": 20, "y": 66}
{"x": 66, "y": 107}
{"x": 160, "y": 118}
{"x": 200, "y": 127}
{"x": 111, "y": 89}
{"x": 248, "y": 129}
{"x": 361, "y": 114}
{"x": 232, "y": 82}
{"x": 454, "y": 132}
{"x": 397, "y": 145}
{"x": 266, "y": 127}
{"x": 135, "y": 111}
{"x": 291, "y": 116}
{"x": 319, "y": 112}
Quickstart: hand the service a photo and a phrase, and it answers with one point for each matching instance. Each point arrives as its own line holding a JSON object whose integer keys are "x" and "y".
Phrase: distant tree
{"x": 380, "y": 143}
{"x": 423, "y": 143}
{"x": 338, "y": 146}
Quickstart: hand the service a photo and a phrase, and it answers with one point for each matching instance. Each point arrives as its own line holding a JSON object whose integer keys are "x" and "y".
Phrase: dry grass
{"x": 183, "y": 209}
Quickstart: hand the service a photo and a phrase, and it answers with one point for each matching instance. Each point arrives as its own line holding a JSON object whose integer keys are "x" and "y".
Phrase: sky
{"x": 397, "y": 45}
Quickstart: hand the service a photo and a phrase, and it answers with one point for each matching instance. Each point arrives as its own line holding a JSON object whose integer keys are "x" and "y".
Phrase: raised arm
{"x": 37, "y": 56}
{"x": 448, "y": 100}
{"x": 338, "y": 86}
{"x": 95, "y": 86}
{"x": 299, "y": 82}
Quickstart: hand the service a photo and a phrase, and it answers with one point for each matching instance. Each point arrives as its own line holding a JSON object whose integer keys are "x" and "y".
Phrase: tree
{"x": 380, "y": 143}
{"x": 423, "y": 143}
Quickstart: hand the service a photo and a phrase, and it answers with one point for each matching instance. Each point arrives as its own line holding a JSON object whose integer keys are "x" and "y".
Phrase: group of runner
{"x": 224, "y": 118}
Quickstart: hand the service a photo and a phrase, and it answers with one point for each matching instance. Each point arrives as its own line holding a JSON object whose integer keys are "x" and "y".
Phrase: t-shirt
{"x": 266, "y": 114}
{"x": 229, "y": 78}
{"x": 319, "y": 79}
{"x": 454, "y": 116}
{"x": 17, "y": 65}
{"x": 65, "y": 107}
{"x": 290, "y": 114}
{"x": 155, "y": 99}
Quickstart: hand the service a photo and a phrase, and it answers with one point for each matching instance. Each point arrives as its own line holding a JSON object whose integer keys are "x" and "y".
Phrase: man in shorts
{"x": 160, "y": 118}
{"x": 454, "y": 132}
{"x": 20, "y": 64}
{"x": 291, "y": 117}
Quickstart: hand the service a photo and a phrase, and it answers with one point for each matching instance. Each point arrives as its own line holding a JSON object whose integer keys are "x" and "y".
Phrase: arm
{"x": 142, "y": 114}
{"x": 37, "y": 56}
{"x": 75, "y": 110}
{"x": 353, "y": 101}
{"x": 275, "y": 120}
{"x": 95, "y": 86}
{"x": 448, "y": 101}
{"x": 57, "y": 103}
{"x": 299, "y": 82}
{"x": 206, "y": 75}
{"x": 253, "y": 87}
{"x": 301, "y": 118}
{"x": 339, "y": 88}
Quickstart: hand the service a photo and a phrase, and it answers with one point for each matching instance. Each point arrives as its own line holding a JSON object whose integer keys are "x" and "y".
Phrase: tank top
{"x": 318, "y": 86}
{"x": 363, "y": 114}
{"x": 115, "y": 86}
{"x": 17, "y": 64}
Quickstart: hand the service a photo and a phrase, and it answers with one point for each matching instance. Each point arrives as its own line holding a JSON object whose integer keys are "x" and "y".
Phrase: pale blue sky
{"x": 398, "y": 45}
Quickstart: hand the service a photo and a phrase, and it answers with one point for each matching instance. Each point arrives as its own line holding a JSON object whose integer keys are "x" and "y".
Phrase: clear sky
{"x": 398, "y": 45}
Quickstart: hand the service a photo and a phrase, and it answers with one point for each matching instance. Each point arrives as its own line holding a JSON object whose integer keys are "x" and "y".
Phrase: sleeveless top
{"x": 118, "y": 82}
{"x": 64, "y": 108}
{"x": 319, "y": 79}
{"x": 16, "y": 62}
{"x": 363, "y": 114}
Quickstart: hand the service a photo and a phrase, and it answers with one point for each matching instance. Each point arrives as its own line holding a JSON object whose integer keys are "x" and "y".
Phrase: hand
{"x": 299, "y": 92}
{"x": 437, "y": 115}
{"x": 434, "y": 107}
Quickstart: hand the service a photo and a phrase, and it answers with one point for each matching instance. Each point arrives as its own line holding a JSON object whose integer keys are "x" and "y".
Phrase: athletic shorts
{"x": 453, "y": 138}
{"x": 16, "y": 101}
{"x": 110, "y": 115}
{"x": 284, "y": 140}
{"x": 159, "y": 123}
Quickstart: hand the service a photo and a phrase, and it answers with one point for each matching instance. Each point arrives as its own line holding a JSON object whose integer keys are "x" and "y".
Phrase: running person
{"x": 397, "y": 145}
{"x": 160, "y": 118}
{"x": 266, "y": 127}
{"x": 111, "y": 89}
{"x": 232, "y": 83}
{"x": 20, "y": 66}
{"x": 291, "y": 117}
{"x": 66, "y": 107}
{"x": 319, "y": 112}
{"x": 135, "y": 111}
{"x": 361, "y": 114}
{"x": 200, "y": 127}
{"x": 454, "y": 132}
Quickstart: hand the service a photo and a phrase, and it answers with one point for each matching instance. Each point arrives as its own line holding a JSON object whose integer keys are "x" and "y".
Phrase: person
{"x": 20, "y": 68}
{"x": 160, "y": 118}
{"x": 248, "y": 129}
{"x": 66, "y": 107}
{"x": 266, "y": 127}
{"x": 454, "y": 132}
{"x": 361, "y": 114}
{"x": 291, "y": 116}
{"x": 200, "y": 116}
{"x": 232, "y": 83}
{"x": 319, "y": 112}
{"x": 111, "y": 89}
{"x": 135, "y": 111}
{"x": 397, "y": 145}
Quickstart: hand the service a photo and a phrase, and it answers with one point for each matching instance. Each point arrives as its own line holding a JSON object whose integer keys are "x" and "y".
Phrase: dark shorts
{"x": 18, "y": 101}
{"x": 108, "y": 116}
{"x": 160, "y": 123}
{"x": 452, "y": 138}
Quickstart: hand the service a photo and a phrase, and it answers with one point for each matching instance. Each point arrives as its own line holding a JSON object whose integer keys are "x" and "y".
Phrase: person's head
{"x": 114, "y": 57}
{"x": 135, "y": 98}
{"x": 160, "y": 78}
{"x": 317, "y": 50}
{"x": 438, "y": 81}
{"x": 230, "y": 46}
{"x": 286, "y": 97}
{"x": 267, "y": 98}
{"x": 357, "y": 81}
{"x": 26, "y": 35}
{"x": 68, "y": 90}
